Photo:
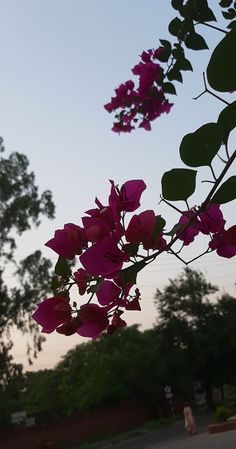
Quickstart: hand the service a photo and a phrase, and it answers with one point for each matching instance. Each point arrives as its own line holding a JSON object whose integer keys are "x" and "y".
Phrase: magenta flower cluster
{"x": 141, "y": 105}
{"x": 105, "y": 244}
{"x": 209, "y": 222}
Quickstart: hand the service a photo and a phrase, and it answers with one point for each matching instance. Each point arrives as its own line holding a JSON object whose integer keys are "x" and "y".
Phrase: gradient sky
{"x": 60, "y": 62}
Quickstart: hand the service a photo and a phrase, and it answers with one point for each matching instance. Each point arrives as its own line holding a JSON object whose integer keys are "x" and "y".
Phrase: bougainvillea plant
{"x": 115, "y": 241}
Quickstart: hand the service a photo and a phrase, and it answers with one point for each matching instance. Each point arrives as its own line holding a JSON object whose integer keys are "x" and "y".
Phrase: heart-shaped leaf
{"x": 221, "y": 70}
{"x": 199, "y": 148}
{"x": 227, "y": 120}
{"x": 62, "y": 267}
{"x": 226, "y": 192}
{"x": 196, "y": 42}
{"x": 129, "y": 275}
{"x": 178, "y": 184}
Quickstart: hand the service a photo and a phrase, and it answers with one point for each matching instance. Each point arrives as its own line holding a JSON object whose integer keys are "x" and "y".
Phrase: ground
{"x": 174, "y": 437}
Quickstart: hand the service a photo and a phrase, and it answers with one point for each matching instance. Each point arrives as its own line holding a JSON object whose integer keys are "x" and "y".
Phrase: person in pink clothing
{"x": 189, "y": 420}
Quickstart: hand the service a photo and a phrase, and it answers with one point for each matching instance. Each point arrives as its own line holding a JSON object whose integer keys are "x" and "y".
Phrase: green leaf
{"x": 226, "y": 192}
{"x": 231, "y": 25}
{"x": 64, "y": 294}
{"x": 198, "y": 10}
{"x": 166, "y": 50}
{"x": 178, "y": 184}
{"x": 62, "y": 267}
{"x": 199, "y": 148}
{"x": 184, "y": 64}
{"x": 175, "y": 229}
{"x": 221, "y": 70}
{"x": 177, "y": 4}
{"x": 129, "y": 275}
{"x": 225, "y": 3}
{"x": 168, "y": 88}
{"x": 195, "y": 41}
{"x": 227, "y": 120}
{"x": 174, "y": 74}
{"x": 230, "y": 14}
{"x": 181, "y": 62}
{"x": 56, "y": 283}
{"x": 131, "y": 248}
{"x": 166, "y": 44}
{"x": 159, "y": 226}
{"x": 95, "y": 287}
{"x": 164, "y": 55}
{"x": 175, "y": 27}
{"x": 177, "y": 53}
{"x": 202, "y": 11}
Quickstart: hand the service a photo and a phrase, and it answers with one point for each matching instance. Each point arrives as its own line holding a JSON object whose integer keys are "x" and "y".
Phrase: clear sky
{"x": 60, "y": 61}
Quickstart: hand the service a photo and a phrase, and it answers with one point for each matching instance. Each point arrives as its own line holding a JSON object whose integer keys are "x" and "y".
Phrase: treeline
{"x": 194, "y": 339}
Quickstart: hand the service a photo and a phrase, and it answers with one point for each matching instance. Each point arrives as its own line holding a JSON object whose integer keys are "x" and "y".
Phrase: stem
{"x": 223, "y": 173}
{"x": 211, "y": 182}
{"x": 211, "y": 26}
{"x": 221, "y": 158}
{"x": 206, "y": 90}
{"x": 197, "y": 257}
{"x": 216, "y": 96}
{"x": 227, "y": 150}
{"x": 213, "y": 173}
{"x": 171, "y": 205}
{"x": 201, "y": 208}
{"x": 178, "y": 257}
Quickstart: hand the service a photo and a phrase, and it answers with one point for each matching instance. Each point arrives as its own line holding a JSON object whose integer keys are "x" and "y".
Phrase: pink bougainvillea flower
{"x": 141, "y": 227}
{"x": 70, "y": 327}
{"x": 145, "y": 124}
{"x": 81, "y": 279}
{"x": 148, "y": 73}
{"x": 52, "y": 312}
{"x": 104, "y": 258}
{"x": 155, "y": 243}
{"x": 146, "y": 55}
{"x": 108, "y": 292}
{"x": 108, "y": 224}
{"x": 154, "y": 240}
{"x": 125, "y": 96}
{"x": 225, "y": 242}
{"x": 128, "y": 197}
{"x": 138, "y": 107}
{"x": 69, "y": 241}
{"x": 212, "y": 219}
{"x": 133, "y": 305}
{"x": 158, "y": 52}
{"x": 105, "y": 213}
{"x": 96, "y": 228}
{"x": 187, "y": 235}
{"x": 116, "y": 323}
{"x": 94, "y": 320}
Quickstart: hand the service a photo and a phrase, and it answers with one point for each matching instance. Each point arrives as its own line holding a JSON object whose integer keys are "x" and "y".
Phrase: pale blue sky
{"x": 60, "y": 61}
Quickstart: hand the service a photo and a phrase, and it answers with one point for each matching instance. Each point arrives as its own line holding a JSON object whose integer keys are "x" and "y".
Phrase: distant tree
{"x": 21, "y": 207}
{"x": 40, "y": 396}
{"x": 203, "y": 329}
{"x": 115, "y": 368}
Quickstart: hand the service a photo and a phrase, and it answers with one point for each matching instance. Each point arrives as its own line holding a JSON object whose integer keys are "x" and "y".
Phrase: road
{"x": 174, "y": 437}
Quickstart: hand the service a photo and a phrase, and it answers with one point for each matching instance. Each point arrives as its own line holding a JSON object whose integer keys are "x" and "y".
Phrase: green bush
{"x": 222, "y": 413}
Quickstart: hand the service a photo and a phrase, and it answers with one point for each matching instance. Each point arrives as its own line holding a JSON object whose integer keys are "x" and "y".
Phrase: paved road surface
{"x": 174, "y": 437}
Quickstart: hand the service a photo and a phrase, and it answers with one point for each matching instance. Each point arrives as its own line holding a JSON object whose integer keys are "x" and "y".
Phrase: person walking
{"x": 189, "y": 420}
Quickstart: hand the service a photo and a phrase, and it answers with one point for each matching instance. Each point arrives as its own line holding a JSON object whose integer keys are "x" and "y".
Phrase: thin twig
{"x": 171, "y": 205}
{"x": 213, "y": 173}
{"x": 201, "y": 208}
{"x": 206, "y": 90}
{"x": 211, "y": 26}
